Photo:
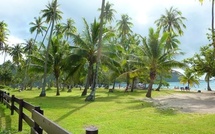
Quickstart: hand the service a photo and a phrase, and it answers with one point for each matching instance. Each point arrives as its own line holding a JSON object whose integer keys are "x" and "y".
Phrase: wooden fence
{"x": 38, "y": 122}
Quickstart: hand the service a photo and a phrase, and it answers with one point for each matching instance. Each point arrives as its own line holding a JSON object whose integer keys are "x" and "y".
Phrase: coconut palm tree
{"x": 38, "y": 27}
{"x": 108, "y": 12}
{"x": 156, "y": 59}
{"x": 86, "y": 48}
{"x": 4, "y": 32}
{"x": 69, "y": 28}
{"x": 189, "y": 78}
{"x": 17, "y": 54}
{"x": 124, "y": 28}
{"x": 172, "y": 21}
{"x": 51, "y": 14}
{"x": 91, "y": 97}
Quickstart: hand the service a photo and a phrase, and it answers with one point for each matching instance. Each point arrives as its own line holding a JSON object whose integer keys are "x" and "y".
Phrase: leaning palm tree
{"x": 155, "y": 59}
{"x": 51, "y": 14}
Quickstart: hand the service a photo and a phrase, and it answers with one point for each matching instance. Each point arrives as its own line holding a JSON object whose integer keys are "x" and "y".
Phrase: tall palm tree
{"x": 156, "y": 59}
{"x": 69, "y": 28}
{"x": 51, "y": 14}
{"x": 172, "y": 21}
{"x": 124, "y": 28}
{"x": 6, "y": 50}
{"x": 91, "y": 97}
{"x": 58, "y": 51}
{"x": 17, "y": 54}
{"x": 86, "y": 48}
{"x": 38, "y": 27}
{"x": 3, "y": 34}
{"x": 108, "y": 12}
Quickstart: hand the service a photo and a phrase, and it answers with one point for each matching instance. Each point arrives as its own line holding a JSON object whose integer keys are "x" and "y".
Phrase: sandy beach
{"x": 191, "y": 102}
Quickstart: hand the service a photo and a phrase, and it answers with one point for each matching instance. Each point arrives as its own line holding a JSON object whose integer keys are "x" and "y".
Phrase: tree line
{"x": 102, "y": 54}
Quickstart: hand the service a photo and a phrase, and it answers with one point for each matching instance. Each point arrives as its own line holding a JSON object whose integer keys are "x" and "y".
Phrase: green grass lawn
{"x": 111, "y": 113}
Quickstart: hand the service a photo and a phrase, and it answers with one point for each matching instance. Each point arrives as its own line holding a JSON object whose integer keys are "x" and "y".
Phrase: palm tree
{"x": 91, "y": 97}
{"x": 156, "y": 59}
{"x": 58, "y": 51}
{"x": 86, "y": 48}
{"x": 189, "y": 78}
{"x": 124, "y": 28}
{"x": 108, "y": 12}
{"x": 69, "y": 28}
{"x": 3, "y": 34}
{"x": 203, "y": 63}
{"x": 38, "y": 27}
{"x": 172, "y": 21}
{"x": 51, "y": 14}
{"x": 17, "y": 54}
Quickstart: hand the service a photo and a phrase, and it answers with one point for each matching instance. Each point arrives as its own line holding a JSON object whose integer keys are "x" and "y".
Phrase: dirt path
{"x": 187, "y": 102}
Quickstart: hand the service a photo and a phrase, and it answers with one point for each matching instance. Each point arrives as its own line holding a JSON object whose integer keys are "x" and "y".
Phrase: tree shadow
{"x": 72, "y": 111}
{"x": 5, "y": 119}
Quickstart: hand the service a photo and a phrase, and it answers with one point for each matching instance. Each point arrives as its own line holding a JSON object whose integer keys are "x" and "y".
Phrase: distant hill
{"x": 174, "y": 78}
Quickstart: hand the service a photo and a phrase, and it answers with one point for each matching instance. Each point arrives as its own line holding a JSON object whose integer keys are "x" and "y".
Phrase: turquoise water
{"x": 201, "y": 86}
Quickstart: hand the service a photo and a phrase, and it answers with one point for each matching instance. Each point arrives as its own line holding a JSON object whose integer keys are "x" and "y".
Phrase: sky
{"x": 19, "y": 13}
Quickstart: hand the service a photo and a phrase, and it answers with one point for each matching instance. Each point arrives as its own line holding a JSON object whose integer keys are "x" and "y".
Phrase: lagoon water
{"x": 201, "y": 86}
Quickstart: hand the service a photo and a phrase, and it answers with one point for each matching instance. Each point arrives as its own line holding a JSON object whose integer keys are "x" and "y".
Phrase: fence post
{"x": 20, "y": 114}
{"x": 36, "y": 126}
{"x": 91, "y": 130}
{"x": 7, "y": 98}
{"x": 12, "y": 104}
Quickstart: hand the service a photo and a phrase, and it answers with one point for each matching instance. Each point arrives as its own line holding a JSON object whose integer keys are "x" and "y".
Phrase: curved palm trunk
{"x": 43, "y": 92}
{"x": 44, "y": 37}
{"x": 91, "y": 97}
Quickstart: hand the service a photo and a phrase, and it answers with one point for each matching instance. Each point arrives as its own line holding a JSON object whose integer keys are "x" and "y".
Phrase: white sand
{"x": 203, "y": 102}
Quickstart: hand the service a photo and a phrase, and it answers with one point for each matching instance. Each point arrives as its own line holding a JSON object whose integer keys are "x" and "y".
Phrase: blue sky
{"x": 19, "y": 13}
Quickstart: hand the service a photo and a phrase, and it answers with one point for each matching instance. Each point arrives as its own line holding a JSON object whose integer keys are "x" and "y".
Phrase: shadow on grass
{"x": 72, "y": 111}
{"x": 5, "y": 120}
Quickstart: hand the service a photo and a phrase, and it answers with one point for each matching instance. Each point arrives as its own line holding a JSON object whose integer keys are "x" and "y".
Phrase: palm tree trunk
{"x": 208, "y": 85}
{"x": 43, "y": 92}
{"x": 89, "y": 76}
{"x": 57, "y": 85}
{"x": 149, "y": 92}
{"x": 160, "y": 84}
{"x": 91, "y": 97}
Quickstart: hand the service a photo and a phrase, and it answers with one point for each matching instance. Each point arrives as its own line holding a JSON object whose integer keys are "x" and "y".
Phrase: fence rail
{"x": 37, "y": 122}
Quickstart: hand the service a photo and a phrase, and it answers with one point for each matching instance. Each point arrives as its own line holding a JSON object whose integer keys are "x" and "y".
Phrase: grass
{"x": 111, "y": 113}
